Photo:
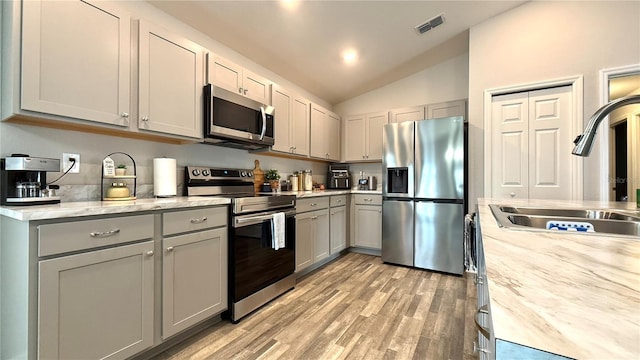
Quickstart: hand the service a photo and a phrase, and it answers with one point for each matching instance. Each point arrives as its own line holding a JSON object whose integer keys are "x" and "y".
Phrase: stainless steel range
{"x": 260, "y": 269}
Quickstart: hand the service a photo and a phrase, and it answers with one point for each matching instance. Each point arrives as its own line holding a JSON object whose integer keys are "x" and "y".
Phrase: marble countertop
{"x": 88, "y": 208}
{"x": 576, "y": 295}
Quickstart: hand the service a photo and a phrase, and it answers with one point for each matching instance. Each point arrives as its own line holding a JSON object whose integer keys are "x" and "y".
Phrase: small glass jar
{"x": 308, "y": 180}
{"x": 118, "y": 190}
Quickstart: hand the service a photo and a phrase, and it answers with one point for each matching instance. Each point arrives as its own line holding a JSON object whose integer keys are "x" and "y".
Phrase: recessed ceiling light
{"x": 290, "y": 5}
{"x": 349, "y": 56}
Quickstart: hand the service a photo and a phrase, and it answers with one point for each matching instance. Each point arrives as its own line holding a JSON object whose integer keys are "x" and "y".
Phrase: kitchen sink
{"x": 573, "y": 213}
{"x": 611, "y": 222}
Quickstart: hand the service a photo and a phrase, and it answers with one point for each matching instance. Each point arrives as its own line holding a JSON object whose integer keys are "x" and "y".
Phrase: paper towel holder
{"x": 124, "y": 178}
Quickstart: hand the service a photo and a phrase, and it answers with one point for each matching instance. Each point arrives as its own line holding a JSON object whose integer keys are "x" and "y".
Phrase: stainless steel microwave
{"x": 236, "y": 121}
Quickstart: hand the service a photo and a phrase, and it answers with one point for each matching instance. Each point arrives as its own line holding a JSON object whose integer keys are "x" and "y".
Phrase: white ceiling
{"x": 304, "y": 45}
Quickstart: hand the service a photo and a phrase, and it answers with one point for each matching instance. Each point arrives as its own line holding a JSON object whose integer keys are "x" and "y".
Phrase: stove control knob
{"x": 205, "y": 172}
{"x": 195, "y": 172}
{"x": 250, "y": 174}
{"x": 243, "y": 174}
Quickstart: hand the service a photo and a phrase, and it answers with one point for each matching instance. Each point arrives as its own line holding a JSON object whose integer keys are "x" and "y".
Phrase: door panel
{"x": 439, "y": 237}
{"x": 397, "y": 232}
{"x": 440, "y": 158}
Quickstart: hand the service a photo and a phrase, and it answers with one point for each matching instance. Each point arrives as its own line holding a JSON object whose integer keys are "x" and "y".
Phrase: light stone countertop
{"x": 317, "y": 193}
{"x": 88, "y": 208}
{"x": 576, "y": 295}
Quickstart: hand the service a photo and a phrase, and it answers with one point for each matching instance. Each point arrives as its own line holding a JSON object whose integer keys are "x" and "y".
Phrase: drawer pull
{"x": 368, "y": 199}
{"x": 314, "y": 218}
{"x": 339, "y": 201}
{"x": 104, "y": 233}
{"x": 483, "y": 330}
{"x": 313, "y": 204}
{"x": 170, "y": 248}
{"x": 199, "y": 221}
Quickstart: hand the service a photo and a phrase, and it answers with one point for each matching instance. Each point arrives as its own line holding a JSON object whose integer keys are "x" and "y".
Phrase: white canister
{"x": 294, "y": 182}
{"x": 164, "y": 177}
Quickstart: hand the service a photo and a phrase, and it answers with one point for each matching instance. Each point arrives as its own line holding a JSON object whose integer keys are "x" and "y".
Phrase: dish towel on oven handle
{"x": 277, "y": 231}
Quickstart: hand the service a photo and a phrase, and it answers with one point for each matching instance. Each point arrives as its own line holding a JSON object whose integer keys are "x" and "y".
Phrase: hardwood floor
{"x": 353, "y": 308}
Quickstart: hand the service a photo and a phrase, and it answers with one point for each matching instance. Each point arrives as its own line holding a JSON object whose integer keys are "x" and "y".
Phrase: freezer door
{"x": 397, "y": 232}
{"x": 439, "y": 158}
{"x": 398, "y": 159}
{"x": 439, "y": 236}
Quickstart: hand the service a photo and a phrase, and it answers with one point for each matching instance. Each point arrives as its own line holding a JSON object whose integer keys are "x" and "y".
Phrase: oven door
{"x": 253, "y": 262}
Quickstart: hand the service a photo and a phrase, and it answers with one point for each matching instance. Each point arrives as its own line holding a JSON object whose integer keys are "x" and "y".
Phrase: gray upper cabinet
{"x": 75, "y": 60}
{"x": 234, "y": 78}
{"x": 170, "y": 80}
{"x": 325, "y": 129}
{"x": 447, "y": 109}
{"x": 291, "y": 125}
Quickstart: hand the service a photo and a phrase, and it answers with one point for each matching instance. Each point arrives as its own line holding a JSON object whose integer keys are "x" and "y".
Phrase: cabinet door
{"x": 282, "y": 102}
{"x": 338, "y": 225}
{"x": 96, "y": 305}
{"x": 321, "y": 246}
{"x": 171, "y": 81}
{"x": 334, "y": 125}
{"x": 300, "y": 126}
{"x": 304, "y": 240}
{"x": 225, "y": 74}
{"x": 319, "y": 145}
{"x": 368, "y": 227}
{"x": 354, "y": 138}
{"x": 256, "y": 87}
{"x": 194, "y": 279}
{"x": 414, "y": 113}
{"x": 447, "y": 109}
{"x": 75, "y": 60}
{"x": 375, "y": 124}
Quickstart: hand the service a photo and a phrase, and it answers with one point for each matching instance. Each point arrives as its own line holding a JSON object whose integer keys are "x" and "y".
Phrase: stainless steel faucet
{"x": 584, "y": 142}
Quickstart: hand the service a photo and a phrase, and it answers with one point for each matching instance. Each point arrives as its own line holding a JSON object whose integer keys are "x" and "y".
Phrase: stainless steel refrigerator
{"x": 423, "y": 194}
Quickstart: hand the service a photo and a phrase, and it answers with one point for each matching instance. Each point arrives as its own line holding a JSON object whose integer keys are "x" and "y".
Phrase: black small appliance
{"x": 338, "y": 177}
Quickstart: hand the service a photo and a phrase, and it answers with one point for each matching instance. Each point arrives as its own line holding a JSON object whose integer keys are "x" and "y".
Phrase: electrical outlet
{"x": 66, "y": 163}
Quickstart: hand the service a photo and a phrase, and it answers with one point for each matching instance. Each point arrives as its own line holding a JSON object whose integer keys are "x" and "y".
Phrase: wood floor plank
{"x": 353, "y": 308}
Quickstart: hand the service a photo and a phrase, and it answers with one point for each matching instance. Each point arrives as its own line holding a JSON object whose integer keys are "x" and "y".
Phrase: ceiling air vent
{"x": 429, "y": 24}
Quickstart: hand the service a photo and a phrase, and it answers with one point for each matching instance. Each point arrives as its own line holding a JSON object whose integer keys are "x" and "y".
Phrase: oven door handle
{"x": 240, "y": 221}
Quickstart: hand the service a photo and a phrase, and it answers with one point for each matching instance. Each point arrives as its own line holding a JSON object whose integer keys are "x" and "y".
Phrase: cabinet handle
{"x": 477, "y": 348}
{"x": 339, "y": 200}
{"x": 479, "y": 280}
{"x": 333, "y": 213}
{"x": 313, "y": 204}
{"x": 170, "y": 248}
{"x": 150, "y": 253}
{"x": 145, "y": 118}
{"x": 240, "y": 91}
{"x": 368, "y": 199}
{"x": 314, "y": 218}
{"x": 125, "y": 115}
{"x": 198, "y": 221}
{"x": 380, "y": 211}
{"x": 512, "y": 194}
{"x": 245, "y": 91}
{"x": 104, "y": 233}
{"x": 483, "y": 330}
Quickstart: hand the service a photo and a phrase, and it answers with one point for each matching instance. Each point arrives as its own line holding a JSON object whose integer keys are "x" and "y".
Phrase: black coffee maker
{"x": 22, "y": 179}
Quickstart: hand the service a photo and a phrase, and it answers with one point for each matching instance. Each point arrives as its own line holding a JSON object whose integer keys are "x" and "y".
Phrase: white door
{"x": 413, "y": 113}
{"x": 375, "y": 124}
{"x": 300, "y": 126}
{"x": 531, "y": 144}
{"x": 354, "y": 139}
{"x": 282, "y": 100}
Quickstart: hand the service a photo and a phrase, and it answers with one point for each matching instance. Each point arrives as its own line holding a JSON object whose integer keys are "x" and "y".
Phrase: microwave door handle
{"x": 264, "y": 122}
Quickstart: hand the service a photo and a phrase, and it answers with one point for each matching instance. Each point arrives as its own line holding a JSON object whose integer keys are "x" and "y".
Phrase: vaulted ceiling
{"x": 302, "y": 41}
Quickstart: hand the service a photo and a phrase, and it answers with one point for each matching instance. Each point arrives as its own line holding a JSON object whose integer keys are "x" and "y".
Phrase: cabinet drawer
{"x": 338, "y": 200}
{"x": 362, "y": 199}
{"x": 315, "y": 203}
{"x": 190, "y": 220}
{"x": 87, "y": 234}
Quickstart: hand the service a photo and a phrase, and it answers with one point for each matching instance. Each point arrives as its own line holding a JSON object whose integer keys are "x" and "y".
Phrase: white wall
{"x": 548, "y": 40}
{"x": 443, "y": 82}
{"x": 92, "y": 148}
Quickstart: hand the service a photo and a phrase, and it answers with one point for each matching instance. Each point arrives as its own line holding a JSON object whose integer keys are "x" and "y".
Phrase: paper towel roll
{"x": 164, "y": 177}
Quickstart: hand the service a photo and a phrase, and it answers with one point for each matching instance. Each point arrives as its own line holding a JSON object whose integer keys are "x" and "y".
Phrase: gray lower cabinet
{"x": 97, "y": 303}
{"x": 338, "y": 224}
{"x": 312, "y": 231}
{"x": 368, "y": 221}
{"x": 194, "y": 267}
